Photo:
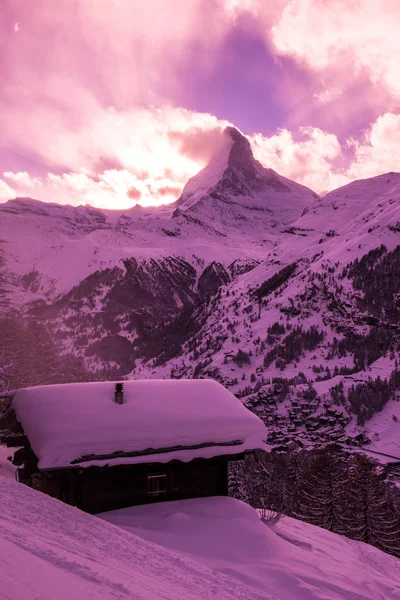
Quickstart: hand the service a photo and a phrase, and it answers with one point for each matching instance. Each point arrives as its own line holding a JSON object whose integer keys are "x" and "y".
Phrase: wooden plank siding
{"x": 99, "y": 489}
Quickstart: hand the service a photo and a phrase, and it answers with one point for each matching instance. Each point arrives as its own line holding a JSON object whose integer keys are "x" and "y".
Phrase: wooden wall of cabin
{"x": 97, "y": 490}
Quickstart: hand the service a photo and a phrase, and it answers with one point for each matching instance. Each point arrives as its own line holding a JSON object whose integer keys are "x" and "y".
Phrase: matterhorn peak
{"x": 231, "y": 166}
{"x": 236, "y": 188}
{"x": 240, "y": 141}
{"x": 240, "y": 155}
{"x": 234, "y": 180}
{"x": 237, "y": 137}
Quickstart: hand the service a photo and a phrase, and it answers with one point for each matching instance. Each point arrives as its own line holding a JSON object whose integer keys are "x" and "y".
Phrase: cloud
{"x": 356, "y": 35}
{"x": 309, "y": 159}
{"x": 110, "y": 189}
{"x": 379, "y": 150}
{"x": 134, "y": 194}
{"x": 120, "y": 50}
{"x": 22, "y": 179}
{"x": 104, "y": 53}
{"x": 104, "y": 98}
{"x": 197, "y": 143}
{"x": 6, "y": 193}
{"x": 337, "y": 61}
{"x": 316, "y": 158}
{"x": 169, "y": 191}
{"x": 154, "y": 152}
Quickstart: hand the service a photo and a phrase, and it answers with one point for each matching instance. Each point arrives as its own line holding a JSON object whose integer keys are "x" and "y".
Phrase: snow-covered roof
{"x": 79, "y": 424}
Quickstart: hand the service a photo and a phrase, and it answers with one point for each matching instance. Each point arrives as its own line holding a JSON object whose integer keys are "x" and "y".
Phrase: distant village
{"x": 307, "y": 422}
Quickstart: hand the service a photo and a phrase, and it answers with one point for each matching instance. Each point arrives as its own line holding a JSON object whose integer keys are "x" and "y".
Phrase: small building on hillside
{"x": 103, "y": 446}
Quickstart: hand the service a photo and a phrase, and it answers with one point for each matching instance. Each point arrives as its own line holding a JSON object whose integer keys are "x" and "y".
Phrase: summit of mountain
{"x": 234, "y": 187}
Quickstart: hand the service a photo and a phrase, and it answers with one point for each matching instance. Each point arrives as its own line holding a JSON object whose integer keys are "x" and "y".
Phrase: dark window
{"x": 157, "y": 484}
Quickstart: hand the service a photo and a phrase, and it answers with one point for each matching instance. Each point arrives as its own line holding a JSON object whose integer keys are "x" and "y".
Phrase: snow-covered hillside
{"x": 216, "y": 548}
{"x": 348, "y": 222}
{"x": 47, "y": 249}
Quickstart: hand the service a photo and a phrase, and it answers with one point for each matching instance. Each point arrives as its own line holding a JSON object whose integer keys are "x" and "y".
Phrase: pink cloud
{"x": 77, "y": 78}
{"x": 133, "y": 139}
{"x": 379, "y": 151}
{"x": 122, "y": 51}
{"x": 309, "y": 159}
{"x": 169, "y": 190}
{"x": 148, "y": 147}
{"x": 197, "y": 143}
{"x": 348, "y": 51}
{"x": 351, "y": 49}
{"x": 315, "y": 157}
{"x": 22, "y": 179}
{"x": 134, "y": 194}
{"x": 357, "y": 35}
{"x": 6, "y": 193}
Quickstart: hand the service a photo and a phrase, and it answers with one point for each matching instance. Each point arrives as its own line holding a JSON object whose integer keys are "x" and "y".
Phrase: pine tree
{"x": 375, "y": 520}
{"x": 237, "y": 485}
{"x": 320, "y": 491}
{"x": 291, "y": 484}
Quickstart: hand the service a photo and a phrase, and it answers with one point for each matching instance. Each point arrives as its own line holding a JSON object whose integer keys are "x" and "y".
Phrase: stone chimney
{"x": 119, "y": 393}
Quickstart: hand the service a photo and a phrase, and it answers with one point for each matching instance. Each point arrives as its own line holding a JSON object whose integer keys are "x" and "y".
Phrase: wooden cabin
{"x": 103, "y": 446}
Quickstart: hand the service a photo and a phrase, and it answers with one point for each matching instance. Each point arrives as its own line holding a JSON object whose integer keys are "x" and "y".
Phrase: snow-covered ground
{"x": 201, "y": 549}
{"x": 51, "y": 551}
{"x": 292, "y": 560}
{"x": 386, "y": 425}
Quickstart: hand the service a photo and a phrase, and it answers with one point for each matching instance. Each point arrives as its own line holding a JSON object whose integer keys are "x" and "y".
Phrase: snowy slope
{"x": 385, "y": 427}
{"x": 213, "y": 548}
{"x": 290, "y": 560}
{"x": 345, "y": 224}
{"x": 50, "y": 550}
{"x": 357, "y": 217}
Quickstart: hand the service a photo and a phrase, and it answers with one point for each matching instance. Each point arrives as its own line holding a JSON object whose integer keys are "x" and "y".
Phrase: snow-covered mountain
{"x": 231, "y": 210}
{"x": 246, "y": 278}
{"x": 234, "y": 188}
{"x": 323, "y": 307}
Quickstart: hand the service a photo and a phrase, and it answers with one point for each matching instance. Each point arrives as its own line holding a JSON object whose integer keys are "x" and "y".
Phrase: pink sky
{"x": 112, "y": 102}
